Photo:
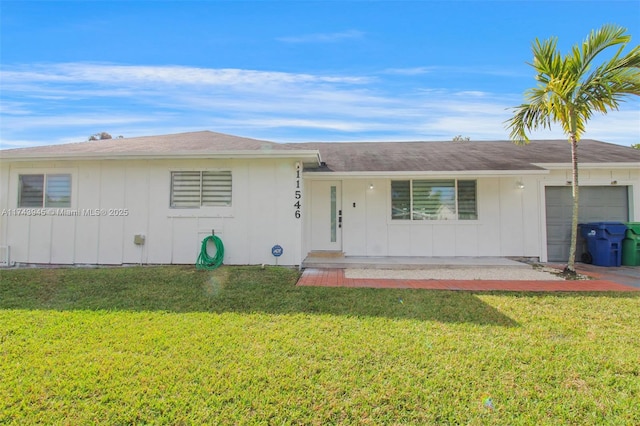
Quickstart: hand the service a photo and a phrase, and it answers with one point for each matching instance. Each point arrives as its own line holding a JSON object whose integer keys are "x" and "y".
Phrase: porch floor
{"x": 336, "y": 278}
{"x": 408, "y": 262}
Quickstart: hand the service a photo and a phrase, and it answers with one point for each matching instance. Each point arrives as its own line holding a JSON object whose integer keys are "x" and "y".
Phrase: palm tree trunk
{"x": 571, "y": 267}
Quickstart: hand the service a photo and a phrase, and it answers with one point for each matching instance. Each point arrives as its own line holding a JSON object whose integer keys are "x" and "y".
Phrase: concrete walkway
{"x": 627, "y": 275}
{"x": 407, "y": 262}
{"x": 335, "y": 277}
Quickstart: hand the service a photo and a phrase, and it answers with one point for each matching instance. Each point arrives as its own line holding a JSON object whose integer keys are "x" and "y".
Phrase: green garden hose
{"x": 204, "y": 260}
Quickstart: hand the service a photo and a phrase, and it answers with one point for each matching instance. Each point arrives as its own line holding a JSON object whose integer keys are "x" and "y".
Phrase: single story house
{"x": 152, "y": 200}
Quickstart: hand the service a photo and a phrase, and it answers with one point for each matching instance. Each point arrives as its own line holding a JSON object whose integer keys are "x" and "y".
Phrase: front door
{"x": 326, "y": 215}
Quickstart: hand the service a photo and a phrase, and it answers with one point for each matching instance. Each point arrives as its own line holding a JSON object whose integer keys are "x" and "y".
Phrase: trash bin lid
{"x": 614, "y": 228}
{"x": 633, "y": 227}
{"x": 605, "y": 230}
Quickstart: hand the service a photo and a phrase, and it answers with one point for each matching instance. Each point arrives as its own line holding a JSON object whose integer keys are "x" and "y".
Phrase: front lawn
{"x": 241, "y": 345}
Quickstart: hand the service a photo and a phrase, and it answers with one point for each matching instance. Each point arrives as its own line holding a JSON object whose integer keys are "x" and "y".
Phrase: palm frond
{"x": 568, "y": 91}
{"x": 527, "y": 117}
{"x": 598, "y": 40}
{"x": 611, "y": 82}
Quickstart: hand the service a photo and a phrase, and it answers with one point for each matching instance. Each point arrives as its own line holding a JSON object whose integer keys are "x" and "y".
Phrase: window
{"x": 433, "y": 200}
{"x": 44, "y": 190}
{"x": 401, "y": 199}
{"x": 205, "y": 188}
{"x": 467, "y": 207}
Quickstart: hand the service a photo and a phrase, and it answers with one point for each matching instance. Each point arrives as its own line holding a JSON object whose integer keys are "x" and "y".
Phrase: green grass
{"x": 241, "y": 345}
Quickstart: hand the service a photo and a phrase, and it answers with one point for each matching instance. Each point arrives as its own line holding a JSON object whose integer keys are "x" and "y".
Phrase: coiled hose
{"x": 204, "y": 260}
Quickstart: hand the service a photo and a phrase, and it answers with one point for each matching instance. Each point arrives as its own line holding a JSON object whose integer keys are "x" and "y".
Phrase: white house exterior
{"x": 152, "y": 200}
{"x": 120, "y": 189}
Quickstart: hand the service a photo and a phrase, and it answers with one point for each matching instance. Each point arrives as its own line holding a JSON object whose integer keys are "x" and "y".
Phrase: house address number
{"x": 298, "y": 193}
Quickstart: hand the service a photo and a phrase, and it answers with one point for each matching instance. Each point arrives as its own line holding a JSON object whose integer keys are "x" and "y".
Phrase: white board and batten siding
{"x": 512, "y": 220}
{"x": 137, "y": 193}
{"x": 512, "y": 216}
{"x": 507, "y": 223}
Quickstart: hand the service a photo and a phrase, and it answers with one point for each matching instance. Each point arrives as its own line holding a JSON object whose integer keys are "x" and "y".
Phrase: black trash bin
{"x": 604, "y": 242}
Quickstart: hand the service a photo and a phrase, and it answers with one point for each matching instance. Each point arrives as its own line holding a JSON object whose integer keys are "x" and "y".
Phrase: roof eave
{"x": 564, "y": 166}
{"x": 289, "y": 154}
{"x": 451, "y": 173}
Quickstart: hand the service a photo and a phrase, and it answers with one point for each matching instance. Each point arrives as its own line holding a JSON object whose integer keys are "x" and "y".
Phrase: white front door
{"x": 326, "y": 215}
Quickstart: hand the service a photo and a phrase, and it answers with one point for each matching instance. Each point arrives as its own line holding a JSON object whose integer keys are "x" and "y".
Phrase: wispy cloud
{"x": 323, "y": 37}
{"x": 74, "y": 120}
{"x": 14, "y": 108}
{"x": 440, "y": 69}
{"x": 176, "y": 75}
{"x": 54, "y": 103}
{"x": 409, "y": 71}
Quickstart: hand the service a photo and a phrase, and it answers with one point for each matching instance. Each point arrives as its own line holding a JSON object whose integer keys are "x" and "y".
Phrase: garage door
{"x": 597, "y": 203}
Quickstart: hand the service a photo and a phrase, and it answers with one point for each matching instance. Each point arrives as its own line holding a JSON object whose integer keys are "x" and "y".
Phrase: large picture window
{"x": 433, "y": 199}
{"x": 193, "y": 189}
{"x": 44, "y": 190}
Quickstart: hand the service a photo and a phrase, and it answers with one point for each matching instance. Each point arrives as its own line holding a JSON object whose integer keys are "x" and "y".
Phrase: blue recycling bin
{"x": 604, "y": 242}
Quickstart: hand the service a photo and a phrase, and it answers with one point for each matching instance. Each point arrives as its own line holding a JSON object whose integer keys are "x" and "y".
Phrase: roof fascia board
{"x": 301, "y": 154}
{"x": 560, "y": 166}
{"x": 483, "y": 173}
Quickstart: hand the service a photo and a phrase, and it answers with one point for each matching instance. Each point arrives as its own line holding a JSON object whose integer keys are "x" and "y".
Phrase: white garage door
{"x": 597, "y": 204}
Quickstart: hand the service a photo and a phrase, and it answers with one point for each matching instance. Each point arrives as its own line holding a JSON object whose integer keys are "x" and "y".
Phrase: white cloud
{"x": 409, "y": 71}
{"x": 11, "y": 144}
{"x": 14, "y": 108}
{"x": 447, "y": 70}
{"x": 70, "y": 121}
{"x": 323, "y": 37}
{"x": 76, "y": 73}
{"x": 617, "y": 127}
{"x": 325, "y": 124}
{"x": 53, "y": 103}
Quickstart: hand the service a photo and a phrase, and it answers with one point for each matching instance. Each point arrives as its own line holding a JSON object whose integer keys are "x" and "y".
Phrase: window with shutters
{"x": 44, "y": 190}
{"x": 433, "y": 199}
{"x": 194, "y": 189}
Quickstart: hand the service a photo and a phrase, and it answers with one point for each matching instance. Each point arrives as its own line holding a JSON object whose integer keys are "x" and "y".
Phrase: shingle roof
{"x": 193, "y": 142}
{"x": 463, "y": 156}
{"x": 350, "y": 156}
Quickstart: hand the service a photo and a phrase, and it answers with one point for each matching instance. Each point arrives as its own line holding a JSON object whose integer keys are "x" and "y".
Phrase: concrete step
{"x": 325, "y": 254}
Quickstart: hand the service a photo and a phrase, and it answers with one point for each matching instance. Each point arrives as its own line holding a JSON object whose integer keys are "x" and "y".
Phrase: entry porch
{"x": 338, "y": 260}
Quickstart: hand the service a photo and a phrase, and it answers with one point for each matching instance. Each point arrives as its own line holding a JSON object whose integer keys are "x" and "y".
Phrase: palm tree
{"x": 571, "y": 88}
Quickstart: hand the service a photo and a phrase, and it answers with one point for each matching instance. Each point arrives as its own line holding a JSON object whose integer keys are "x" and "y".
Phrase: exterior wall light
{"x": 519, "y": 184}
{"x": 371, "y": 186}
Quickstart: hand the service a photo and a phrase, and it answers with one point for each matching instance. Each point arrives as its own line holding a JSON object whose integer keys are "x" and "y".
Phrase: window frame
{"x": 202, "y": 202}
{"x": 408, "y": 216}
{"x": 48, "y": 199}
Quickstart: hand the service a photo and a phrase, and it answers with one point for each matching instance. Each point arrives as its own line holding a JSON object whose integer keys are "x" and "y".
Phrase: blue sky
{"x": 286, "y": 71}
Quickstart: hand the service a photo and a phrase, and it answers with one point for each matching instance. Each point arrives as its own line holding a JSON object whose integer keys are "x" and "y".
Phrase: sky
{"x": 287, "y": 71}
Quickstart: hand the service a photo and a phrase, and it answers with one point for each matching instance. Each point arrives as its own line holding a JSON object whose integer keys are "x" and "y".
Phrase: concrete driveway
{"x": 627, "y": 275}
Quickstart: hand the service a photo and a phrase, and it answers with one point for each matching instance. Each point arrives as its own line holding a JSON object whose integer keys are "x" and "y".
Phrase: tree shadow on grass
{"x": 231, "y": 289}
{"x": 441, "y": 306}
